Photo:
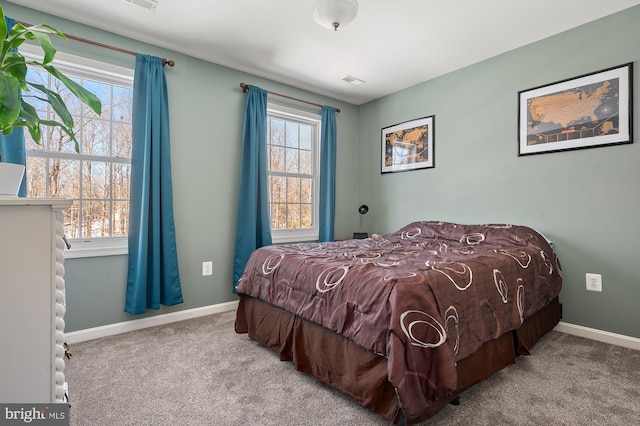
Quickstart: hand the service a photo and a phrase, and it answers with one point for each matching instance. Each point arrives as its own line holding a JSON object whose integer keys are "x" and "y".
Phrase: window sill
{"x": 294, "y": 239}
{"x": 80, "y": 249}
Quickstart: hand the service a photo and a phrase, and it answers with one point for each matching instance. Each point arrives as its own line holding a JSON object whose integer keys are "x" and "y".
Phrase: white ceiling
{"x": 391, "y": 45}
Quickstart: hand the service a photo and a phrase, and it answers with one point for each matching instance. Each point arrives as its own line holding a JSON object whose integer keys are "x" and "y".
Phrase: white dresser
{"x": 32, "y": 300}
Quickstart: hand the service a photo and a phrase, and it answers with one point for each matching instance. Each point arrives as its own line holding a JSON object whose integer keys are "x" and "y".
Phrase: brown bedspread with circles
{"x": 424, "y": 297}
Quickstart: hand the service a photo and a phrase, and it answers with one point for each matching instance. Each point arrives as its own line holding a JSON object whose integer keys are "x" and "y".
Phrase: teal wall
{"x": 587, "y": 201}
{"x": 206, "y": 109}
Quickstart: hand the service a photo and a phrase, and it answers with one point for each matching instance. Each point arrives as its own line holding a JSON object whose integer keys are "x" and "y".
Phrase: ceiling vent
{"x": 147, "y": 4}
{"x": 353, "y": 80}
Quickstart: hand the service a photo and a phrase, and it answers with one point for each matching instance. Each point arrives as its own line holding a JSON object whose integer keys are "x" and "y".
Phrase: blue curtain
{"x": 153, "y": 276}
{"x": 327, "y": 174}
{"x": 12, "y": 146}
{"x": 253, "y": 228}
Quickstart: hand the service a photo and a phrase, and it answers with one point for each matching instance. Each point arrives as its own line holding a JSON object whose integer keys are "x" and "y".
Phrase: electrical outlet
{"x": 207, "y": 268}
{"x": 594, "y": 282}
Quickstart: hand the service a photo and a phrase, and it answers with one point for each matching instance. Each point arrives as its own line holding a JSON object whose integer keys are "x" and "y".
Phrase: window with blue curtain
{"x": 253, "y": 227}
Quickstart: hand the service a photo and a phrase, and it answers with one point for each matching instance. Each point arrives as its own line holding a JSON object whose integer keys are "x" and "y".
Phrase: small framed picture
{"x": 588, "y": 111}
{"x": 409, "y": 145}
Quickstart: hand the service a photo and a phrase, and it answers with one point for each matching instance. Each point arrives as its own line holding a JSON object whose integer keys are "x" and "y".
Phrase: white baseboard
{"x": 124, "y": 327}
{"x": 599, "y": 335}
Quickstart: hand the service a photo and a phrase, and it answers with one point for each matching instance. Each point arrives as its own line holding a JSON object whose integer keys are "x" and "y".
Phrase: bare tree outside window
{"x": 292, "y": 142}
{"x": 97, "y": 178}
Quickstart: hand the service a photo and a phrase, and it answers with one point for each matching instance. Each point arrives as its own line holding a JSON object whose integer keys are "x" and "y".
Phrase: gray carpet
{"x": 199, "y": 372}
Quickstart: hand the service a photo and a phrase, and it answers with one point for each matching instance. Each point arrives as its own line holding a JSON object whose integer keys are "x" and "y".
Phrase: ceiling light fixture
{"x": 334, "y": 13}
{"x": 147, "y": 4}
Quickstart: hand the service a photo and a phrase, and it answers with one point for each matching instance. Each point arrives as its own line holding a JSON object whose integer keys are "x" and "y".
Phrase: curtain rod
{"x": 246, "y": 87}
{"x": 165, "y": 61}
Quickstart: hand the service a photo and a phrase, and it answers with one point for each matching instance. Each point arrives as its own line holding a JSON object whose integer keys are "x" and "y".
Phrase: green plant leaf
{"x": 17, "y": 112}
{"x": 45, "y": 42}
{"x": 29, "y": 113}
{"x": 43, "y": 29}
{"x": 32, "y": 121}
{"x": 40, "y": 33}
{"x": 15, "y": 65}
{"x": 66, "y": 129}
{"x": 13, "y": 39}
{"x": 83, "y": 94}
{"x": 12, "y": 45}
{"x": 35, "y": 132}
{"x": 9, "y": 100}
{"x": 56, "y": 102}
{"x": 3, "y": 23}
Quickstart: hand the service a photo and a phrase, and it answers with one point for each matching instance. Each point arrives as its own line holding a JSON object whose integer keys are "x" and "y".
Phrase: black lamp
{"x": 363, "y": 209}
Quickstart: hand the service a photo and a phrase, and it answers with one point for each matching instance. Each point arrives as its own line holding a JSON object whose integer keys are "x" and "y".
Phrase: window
{"x": 97, "y": 177}
{"x": 293, "y": 140}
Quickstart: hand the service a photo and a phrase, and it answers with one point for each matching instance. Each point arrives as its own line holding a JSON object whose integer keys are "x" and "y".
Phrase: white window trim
{"x": 311, "y": 234}
{"x": 83, "y": 67}
{"x": 294, "y": 235}
{"x": 96, "y": 247}
{"x": 110, "y": 73}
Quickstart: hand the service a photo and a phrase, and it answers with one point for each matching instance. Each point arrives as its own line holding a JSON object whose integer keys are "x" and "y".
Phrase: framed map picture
{"x": 408, "y": 145}
{"x": 583, "y": 112}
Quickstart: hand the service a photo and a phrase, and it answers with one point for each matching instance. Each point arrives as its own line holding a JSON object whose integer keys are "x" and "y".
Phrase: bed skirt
{"x": 362, "y": 375}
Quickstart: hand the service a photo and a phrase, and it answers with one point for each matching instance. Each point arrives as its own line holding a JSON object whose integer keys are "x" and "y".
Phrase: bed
{"x": 403, "y": 323}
